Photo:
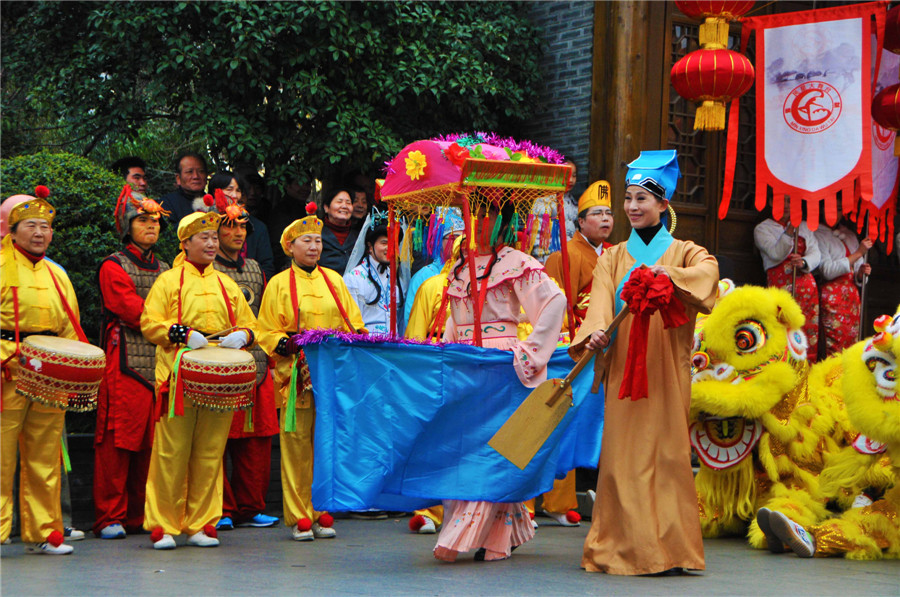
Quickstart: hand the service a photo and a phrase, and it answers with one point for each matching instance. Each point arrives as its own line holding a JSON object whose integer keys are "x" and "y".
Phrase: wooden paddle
{"x": 526, "y": 430}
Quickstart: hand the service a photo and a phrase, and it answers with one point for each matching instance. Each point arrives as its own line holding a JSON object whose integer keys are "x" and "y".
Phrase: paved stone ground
{"x": 383, "y": 558}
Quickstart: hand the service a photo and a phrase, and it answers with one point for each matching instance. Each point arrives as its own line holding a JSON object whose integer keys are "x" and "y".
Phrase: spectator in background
{"x": 254, "y": 192}
{"x": 361, "y": 207}
{"x": 775, "y": 241}
{"x": 338, "y": 237}
{"x": 257, "y": 246}
{"x": 843, "y": 267}
{"x": 291, "y": 207}
{"x": 190, "y": 179}
{"x": 133, "y": 170}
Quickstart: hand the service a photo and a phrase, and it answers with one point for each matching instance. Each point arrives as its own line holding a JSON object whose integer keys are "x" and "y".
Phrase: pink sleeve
{"x": 545, "y": 306}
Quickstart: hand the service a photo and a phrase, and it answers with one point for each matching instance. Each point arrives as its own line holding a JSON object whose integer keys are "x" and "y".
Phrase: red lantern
{"x": 727, "y": 9}
{"x": 713, "y": 77}
{"x": 716, "y": 14}
{"x": 886, "y": 111}
{"x": 892, "y": 31}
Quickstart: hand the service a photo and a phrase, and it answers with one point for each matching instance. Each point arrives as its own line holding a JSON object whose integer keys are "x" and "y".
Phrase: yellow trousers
{"x": 561, "y": 498}
{"x": 36, "y": 431}
{"x": 435, "y": 513}
{"x": 297, "y": 467}
{"x": 184, "y": 485}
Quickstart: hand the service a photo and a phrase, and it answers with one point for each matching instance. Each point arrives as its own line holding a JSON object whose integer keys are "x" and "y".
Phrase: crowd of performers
{"x": 161, "y": 442}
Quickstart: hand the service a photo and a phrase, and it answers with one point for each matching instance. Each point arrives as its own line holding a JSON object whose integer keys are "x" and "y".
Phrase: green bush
{"x": 84, "y": 195}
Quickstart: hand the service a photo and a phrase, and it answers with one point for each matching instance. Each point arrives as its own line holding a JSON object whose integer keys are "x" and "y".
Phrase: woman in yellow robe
{"x": 646, "y": 518}
{"x": 31, "y": 302}
{"x": 303, "y": 297}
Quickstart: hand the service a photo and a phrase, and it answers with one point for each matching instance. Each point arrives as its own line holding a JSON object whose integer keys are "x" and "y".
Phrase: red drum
{"x": 219, "y": 379}
{"x": 60, "y": 372}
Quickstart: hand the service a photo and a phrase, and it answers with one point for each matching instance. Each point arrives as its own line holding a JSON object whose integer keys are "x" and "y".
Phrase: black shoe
{"x": 479, "y": 555}
{"x": 369, "y": 515}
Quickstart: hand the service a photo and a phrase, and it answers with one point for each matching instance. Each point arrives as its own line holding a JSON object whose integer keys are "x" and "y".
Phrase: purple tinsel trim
{"x": 531, "y": 149}
{"x": 319, "y": 335}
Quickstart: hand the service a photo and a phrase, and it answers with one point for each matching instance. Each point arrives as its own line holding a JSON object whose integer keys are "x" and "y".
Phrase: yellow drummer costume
{"x": 36, "y": 297}
{"x": 187, "y": 302}
{"x": 301, "y": 298}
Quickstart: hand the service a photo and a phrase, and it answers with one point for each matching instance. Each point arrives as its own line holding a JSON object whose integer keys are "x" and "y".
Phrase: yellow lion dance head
{"x": 870, "y": 385}
{"x": 749, "y": 353}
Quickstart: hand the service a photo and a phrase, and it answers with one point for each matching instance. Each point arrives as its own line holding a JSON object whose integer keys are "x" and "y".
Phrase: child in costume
{"x": 645, "y": 518}
{"x": 509, "y": 280}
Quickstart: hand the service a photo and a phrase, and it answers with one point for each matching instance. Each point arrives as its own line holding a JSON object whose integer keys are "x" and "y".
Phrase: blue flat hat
{"x": 656, "y": 171}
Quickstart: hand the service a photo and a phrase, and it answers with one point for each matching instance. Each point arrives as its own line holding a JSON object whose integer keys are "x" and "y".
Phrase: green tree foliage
{"x": 84, "y": 232}
{"x": 301, "y": 87}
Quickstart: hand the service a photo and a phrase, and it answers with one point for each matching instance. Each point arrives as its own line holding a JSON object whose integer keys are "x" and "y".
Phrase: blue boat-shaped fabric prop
{"x": 402, "y": 425}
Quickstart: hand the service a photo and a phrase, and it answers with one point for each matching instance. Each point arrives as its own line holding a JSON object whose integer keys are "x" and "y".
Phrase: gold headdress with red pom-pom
{"x": 37, "y": 207}
{"x": 308, "y": 225}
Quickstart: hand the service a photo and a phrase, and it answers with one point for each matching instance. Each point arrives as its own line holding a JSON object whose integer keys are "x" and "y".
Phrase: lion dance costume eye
{"x": 749, "y": 336}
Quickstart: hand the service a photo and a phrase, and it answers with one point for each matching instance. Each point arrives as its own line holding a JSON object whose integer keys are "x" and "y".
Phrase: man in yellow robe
{"x": 646, "y": 518}
{"x": 303, "y": 297}
{"x": 595, "y": 223}
{"x": 37, "y": 291}
{"x": 186, "y": 303}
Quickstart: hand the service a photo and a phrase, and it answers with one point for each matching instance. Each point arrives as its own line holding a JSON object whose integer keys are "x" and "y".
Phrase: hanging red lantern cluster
{"x": 886, "y": 104}
{"x": 713, "y": 75}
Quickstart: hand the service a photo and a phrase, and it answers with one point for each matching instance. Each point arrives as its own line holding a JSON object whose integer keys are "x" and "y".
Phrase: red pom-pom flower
{"x": 311, "y": 208}
{"x": 156, "y": 534}
{"x": 41, "y": 192}
{"x": 326, "y": 520}
{"x": 221, "y": 201}
{"x": 573, "y": 516}
{"x": 208, "y": 200}
{"x": 56, "y": 538}
{"x": 416, "y": 523}
{"x": 304, "y": 524}
{"x": 210, "y": 531}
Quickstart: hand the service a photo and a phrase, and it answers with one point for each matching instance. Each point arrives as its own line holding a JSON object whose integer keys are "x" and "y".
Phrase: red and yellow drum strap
{"x": 72, "y": 319}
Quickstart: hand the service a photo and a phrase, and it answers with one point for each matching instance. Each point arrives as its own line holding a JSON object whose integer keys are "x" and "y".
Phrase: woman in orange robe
{"x": 645, "y": 518}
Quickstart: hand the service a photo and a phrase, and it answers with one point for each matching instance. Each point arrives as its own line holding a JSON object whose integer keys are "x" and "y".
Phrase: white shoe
{"x": 298, "y": 535}
{"x": 73, "y": 534}
{"x": 45, "y": 548}
{"x": 593, "y": 495}
{"x": 534, "y": 523}
{"x": 7, "y": 542}
{"x": 428, "y": 528}
{"x": 321, "y": 532}
{"x": 201, "y": 539}
{"x": 112, "y": 531}
{"x": 800, "y": 541}
{"x": 167, "y": 542}
{"x": 861, "y": 501}
{"x": 561, "y": 519}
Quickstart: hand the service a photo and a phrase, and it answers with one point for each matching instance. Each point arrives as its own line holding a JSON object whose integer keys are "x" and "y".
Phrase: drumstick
{"x": 214, "y": 334}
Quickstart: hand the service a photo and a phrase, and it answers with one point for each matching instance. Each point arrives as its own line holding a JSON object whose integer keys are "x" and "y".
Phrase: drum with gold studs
{"x": 60, "y": 372}
{"x": 218, "y": 379}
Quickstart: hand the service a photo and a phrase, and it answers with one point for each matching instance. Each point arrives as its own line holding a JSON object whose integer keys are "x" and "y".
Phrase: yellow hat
{"x": 197, "y": 222}
{"x": 24, "y": 207}
{"x": 308, "y": 225}
{"x": 596, "y": 194}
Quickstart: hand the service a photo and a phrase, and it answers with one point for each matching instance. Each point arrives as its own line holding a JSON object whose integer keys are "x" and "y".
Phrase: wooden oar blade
{"x": 526, "y": 430}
